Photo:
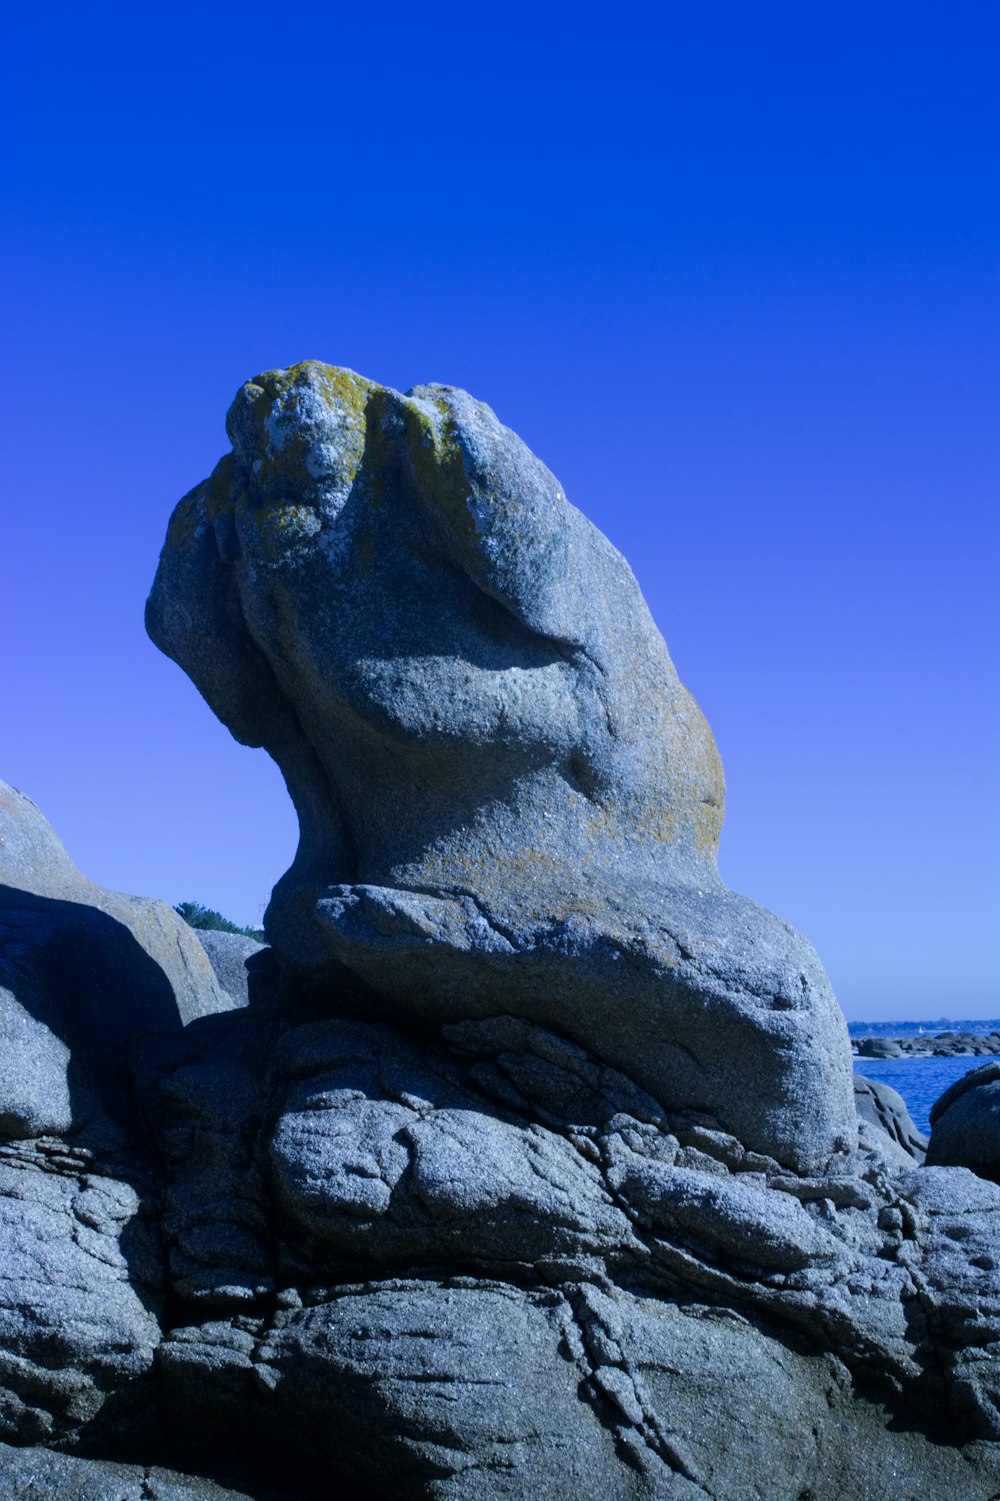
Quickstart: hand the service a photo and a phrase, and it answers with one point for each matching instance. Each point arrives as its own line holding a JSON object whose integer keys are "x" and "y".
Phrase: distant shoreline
{"x": 897, "y": 1029}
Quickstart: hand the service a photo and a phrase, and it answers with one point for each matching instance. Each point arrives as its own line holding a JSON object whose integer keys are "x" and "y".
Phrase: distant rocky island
{"x": 524, "y": 1161}
{"x": 960, "y": 1039}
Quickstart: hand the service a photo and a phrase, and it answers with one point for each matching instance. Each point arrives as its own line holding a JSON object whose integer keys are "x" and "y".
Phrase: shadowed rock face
{"x": 508, "y": 802}
{"x": 965, "y": 1124}
{"x": 84, "y": 972}
{"x": 36, "y": 873}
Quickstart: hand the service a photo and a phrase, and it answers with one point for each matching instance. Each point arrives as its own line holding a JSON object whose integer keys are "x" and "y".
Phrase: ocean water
{"x": 919, "y": 1080}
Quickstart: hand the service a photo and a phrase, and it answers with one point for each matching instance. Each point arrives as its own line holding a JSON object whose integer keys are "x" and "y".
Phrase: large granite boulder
{"x": 507, "y": 799}
{"x": 37, "y": 874}
{"x": 524, "y": 1177}
{"x": 965, "y": 1123}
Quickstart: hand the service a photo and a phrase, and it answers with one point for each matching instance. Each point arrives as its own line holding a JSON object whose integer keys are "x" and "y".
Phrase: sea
{"x": 920, "y": 1081}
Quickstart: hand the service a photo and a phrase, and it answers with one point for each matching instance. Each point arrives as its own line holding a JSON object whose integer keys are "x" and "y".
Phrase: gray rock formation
{"x": 342, "y": 1257}
{"x": 34, "y": 865}
{"x": 84, "y": 973}
{"x": 494, "y": 1267}
{"x": 507, "y": 800}
{"x": 879, "y": 1047}
{"x": 522, "y": 1166}
{"x": 965, "y": 1124}
{"x": 36, "y": 1474}
{"x": 228, "y": 954}
{"x": 881, "y": 1107}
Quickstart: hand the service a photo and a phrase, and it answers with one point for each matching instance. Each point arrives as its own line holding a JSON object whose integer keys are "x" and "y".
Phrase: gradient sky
{"x": 730, "y": 270}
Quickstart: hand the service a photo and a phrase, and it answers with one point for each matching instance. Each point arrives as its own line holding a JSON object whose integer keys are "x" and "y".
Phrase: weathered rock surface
{"x": 228, "y": 954}
{"x": 879, "y": 1047}
{"x": 36, "y": 1474}
{"x": 84, "y": 972}
{"x": 34, "y": 864}
{"x": 495, "y": 1267}
{"x": 85, "y": 976}
{"x": 883, "y": 1108}
{"x": 75, "y": 1322}
{"x": 965, "y": 1124}
{"x": 337, "y": 1257}
{"x": 507, "y": 800}
{"x": 526, "y": 1165}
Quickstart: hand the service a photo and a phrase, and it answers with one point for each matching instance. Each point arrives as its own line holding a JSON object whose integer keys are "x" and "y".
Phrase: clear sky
{"x": 732, "y": 272}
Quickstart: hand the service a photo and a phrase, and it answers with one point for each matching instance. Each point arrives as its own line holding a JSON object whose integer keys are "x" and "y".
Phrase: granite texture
{"x": 311, "y": 1256}
{"x": 507, "y": 799}
{"x": 525, "y": 1164}
{"x": 965, "y": 1124}
{"x": 38, "y": 1474}
{"x": 228, "y": 954}
{"x": 84, "y": 973}
{"x": 882, "y": 1107}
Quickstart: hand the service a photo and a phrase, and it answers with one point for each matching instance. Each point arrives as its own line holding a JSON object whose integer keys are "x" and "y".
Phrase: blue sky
{"x": 732, "y": 271}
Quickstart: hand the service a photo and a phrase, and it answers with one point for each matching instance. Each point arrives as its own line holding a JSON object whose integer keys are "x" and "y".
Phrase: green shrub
{"x": 197, "y": 916}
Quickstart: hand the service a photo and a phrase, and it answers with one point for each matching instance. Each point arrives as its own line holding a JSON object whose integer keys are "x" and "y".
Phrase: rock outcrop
{"x": 965, "y": 1124}
{"x": 526, "y": 1164}
{"x": 84, "y": 973}
{"x": 507, "y": 800}
{"x": 86, "y": 977}
{"x": 229, "y": 955}
{"x": 879, "y": 1047}
{"x": 35, "y": 1474}
{"x": 883, "y": 1108}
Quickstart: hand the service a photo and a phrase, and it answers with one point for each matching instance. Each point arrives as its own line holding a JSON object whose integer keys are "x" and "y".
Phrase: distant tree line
{"x": 197, "y": 916}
